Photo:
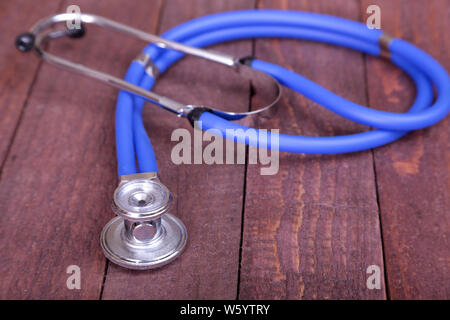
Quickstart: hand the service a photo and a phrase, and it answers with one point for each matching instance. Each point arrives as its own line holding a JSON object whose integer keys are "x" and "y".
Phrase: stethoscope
{"x": 144, "y": 235}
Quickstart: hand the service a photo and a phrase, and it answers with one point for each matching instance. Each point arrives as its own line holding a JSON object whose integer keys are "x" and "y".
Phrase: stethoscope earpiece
{"x": 143, "y": 235}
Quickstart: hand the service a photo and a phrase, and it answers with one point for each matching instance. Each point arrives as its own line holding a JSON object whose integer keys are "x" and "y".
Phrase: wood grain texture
{"x": 208, "y": 197}
{"x": 413, "y": 174}
{"x": 17, "y": 71}
{"x": 311, "y": 231}
{"x": 57, "y": 182}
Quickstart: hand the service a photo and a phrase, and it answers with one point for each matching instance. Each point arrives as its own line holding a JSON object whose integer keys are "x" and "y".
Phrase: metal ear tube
{"x": 143, "y": 235}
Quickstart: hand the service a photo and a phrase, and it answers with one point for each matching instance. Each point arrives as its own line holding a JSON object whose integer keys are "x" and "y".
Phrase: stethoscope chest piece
{"x": 144, "y": 235}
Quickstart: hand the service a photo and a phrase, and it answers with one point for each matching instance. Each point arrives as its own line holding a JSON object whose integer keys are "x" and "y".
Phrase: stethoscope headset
{"x": 144, "y": 235}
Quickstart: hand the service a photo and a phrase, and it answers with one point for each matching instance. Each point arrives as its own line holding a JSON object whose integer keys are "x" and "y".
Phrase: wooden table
{"x": 308, "y": 232}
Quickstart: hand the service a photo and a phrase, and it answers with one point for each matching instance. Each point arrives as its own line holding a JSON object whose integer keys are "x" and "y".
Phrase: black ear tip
{"x": 77, "y": 32}
{"x": 25, "y": 42}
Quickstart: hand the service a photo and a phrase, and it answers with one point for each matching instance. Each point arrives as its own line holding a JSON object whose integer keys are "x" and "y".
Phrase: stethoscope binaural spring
{"x": 143, "y": 235}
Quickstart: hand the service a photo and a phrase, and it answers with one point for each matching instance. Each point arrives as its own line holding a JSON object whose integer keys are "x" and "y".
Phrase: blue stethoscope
{"x": 144, "y": 235}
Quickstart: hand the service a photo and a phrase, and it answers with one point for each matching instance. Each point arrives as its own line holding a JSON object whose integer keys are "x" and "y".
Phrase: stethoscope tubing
{"x": 209, "y": 30}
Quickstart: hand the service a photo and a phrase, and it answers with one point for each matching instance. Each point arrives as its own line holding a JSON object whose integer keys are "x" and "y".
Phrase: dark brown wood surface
{"x": 311, "y": 230}
{"x": 15, "y": 17}
{"x": 412, "y": 175}
{"x": 308, "y": 232}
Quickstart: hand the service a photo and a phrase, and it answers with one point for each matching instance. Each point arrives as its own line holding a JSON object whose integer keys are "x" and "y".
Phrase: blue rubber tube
{"x": 269, "y": 20}
{"x": 340, "y": 144}
{"x": 131, "y": 135}
{"x": 126, "y": 163}
{"x": 324, "y": 145}
{"x": 144, "y": 150}
{"x": 352, "y": 142}
{"x": 272, "y": 23}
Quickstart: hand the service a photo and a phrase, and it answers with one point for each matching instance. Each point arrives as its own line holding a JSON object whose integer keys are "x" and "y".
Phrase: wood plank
{"x": 57, "y": 182}
{"x": 208, "y": 198}
{"x": 311, "y": 231}
{"x": 18, "y": 71}
{"x": 413, "y": 173}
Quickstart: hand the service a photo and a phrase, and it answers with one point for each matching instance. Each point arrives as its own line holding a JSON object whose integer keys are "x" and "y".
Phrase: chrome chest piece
{"x": 144, "y": 235}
